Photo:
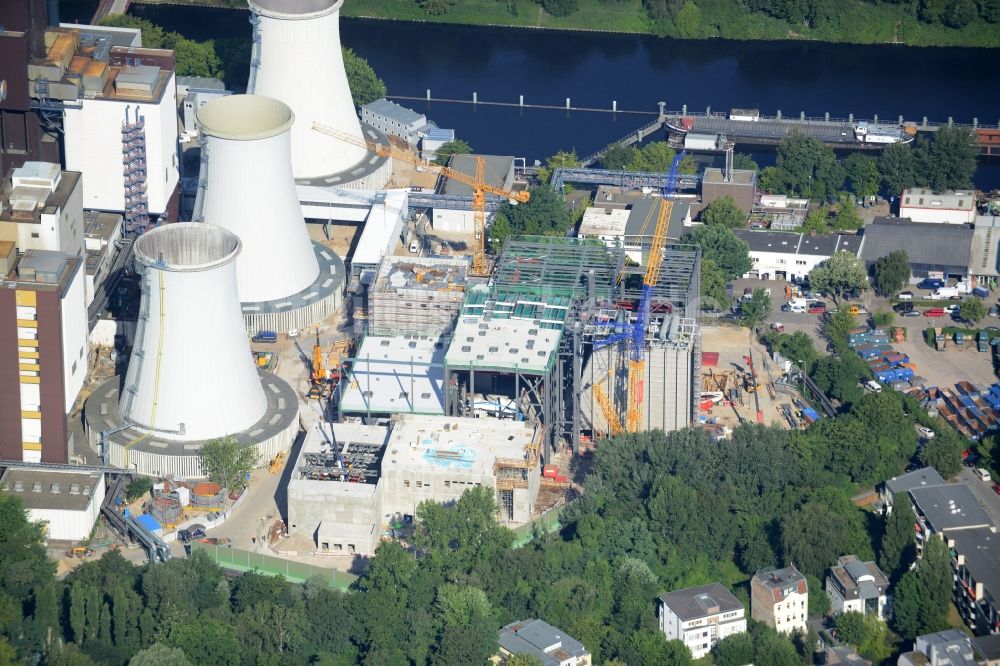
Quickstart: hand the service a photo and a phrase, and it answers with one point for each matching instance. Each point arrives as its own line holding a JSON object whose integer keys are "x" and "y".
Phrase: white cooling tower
{"x": 191, "y": 376}
{"x": 249, "y": 190}
{"x": 297, "y": 59}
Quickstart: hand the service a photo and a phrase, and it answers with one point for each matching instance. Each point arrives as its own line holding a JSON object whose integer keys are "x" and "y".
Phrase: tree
{"x": 138, "y": 487}
{"x": 713, "y": 287}
{"x": 851, "y": 628}
{"x": 744, "y": 161}
{"x": 435, "y": 7}
{"x": 797, "y": 347}
{"x": 366, "y": 86}
{"x": 726, "y": 212}
{"x": 814, "y": 536}
{"x": 891, "y": 272}
{"x": 948, "y": 161}
{"x": 544, "y": 214}
{"x": 657, "y": 156}
{"x": 842, "y": 273}
{"x": 971, "y": 310}
{"x": 920, "y": 603}
{"x": 754, "y": 310}
{"x": 206, "y": 640}
{"x": 449, "y": 148}
{"x": 563, "y": 159}
{"x": 899, "y": 544}
{"x": 159, "y": 654}
{"x": 897, "y": 169}
{"x": 847, "y": 218}
{"x": 688, "y": 20}
{"x": 804, "y": 166}
{"x": 225, "y": 463}
{"x": 718, "y": 243}
{"x": 734, "y": 650}
{"x": 943, "y": 452}
{"x": 819, "y": 603}
{"x": 862, "y": 174}
{"x": 617, "y": 157}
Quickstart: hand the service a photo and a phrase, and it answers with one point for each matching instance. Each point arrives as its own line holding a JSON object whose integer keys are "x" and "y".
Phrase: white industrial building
{"x": 399, "y": 374}
{"x": 700, "y": 617}
{"x": 285, "y": 280}
{"x": 782, "y": 255}
{"x": 101, "y": 235}
{"x": 354, "y": 483}
{"x": 170, "y": 400}
{"x": 949, "y": 207}
{"x": 297, "y": 59}
{"x": 137, "y": 88}
{"x": 194, "y": 92}
{"x": 860, "y": 587}
{"x": 41, "y": 208}
{"x": 66, "y": 502}
{"x": 780, "y": 599}
{"x": 396, "y": 120}
{"x": 499, "y": 173}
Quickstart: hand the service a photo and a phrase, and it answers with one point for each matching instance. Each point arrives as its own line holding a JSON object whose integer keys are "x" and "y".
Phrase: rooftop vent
{"x": 55, "y": 490}
{"x": 36, "y": 487}
{"x": 18, "y": 486}
{"x": 74, "y": 489}
{"x": 86, "y": 490}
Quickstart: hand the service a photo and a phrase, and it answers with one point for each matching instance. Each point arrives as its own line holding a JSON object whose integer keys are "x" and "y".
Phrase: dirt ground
{"x": 732, "y": 343}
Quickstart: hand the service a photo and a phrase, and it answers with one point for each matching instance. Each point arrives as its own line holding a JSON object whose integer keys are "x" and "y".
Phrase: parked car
{"x": 996, "y": 488}
{"x": 817, "y": 307}
{"x": 184, "y": 536}
{"x": 925, "y": 432}
{"x": 934, "y": 312}
{"x": 931, "y": 283}
{"x": 905, "y": 296}
{"x": 778, "y": 326}
{"x": 266, "y": 336}
{"x": 197, "y": 532}
{"x": 995, "y": 311}
{"x": 902, "y": 308}
{"x": 873, "y": 386}
{"x": 414, "y": 247}
{"x": 911, "y": 313}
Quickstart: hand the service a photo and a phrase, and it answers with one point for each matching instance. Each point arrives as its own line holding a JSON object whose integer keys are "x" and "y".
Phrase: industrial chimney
{"x": 297, "y": 59}
{"x": 191, "y": 376}
{"x": 250, "y": 191}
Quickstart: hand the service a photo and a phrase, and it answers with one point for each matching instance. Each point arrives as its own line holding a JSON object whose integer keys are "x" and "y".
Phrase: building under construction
{"x": 522, "y": 345}
{"x": 417, "y": 296}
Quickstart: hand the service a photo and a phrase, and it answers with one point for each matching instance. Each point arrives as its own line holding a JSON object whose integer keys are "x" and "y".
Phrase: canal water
{"x": 594, "y": 69}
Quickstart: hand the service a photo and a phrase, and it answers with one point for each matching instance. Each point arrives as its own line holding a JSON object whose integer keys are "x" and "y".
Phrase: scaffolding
{"x": 134, "y": 173}
{"x": 354, "y": 463}
{"x": 418, "y": 296}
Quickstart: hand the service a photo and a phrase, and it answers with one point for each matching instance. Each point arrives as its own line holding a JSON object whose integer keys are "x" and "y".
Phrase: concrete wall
{"x": 336, "y": 512}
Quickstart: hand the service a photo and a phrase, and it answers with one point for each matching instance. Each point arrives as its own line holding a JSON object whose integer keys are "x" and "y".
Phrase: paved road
{"x": 983, "y": 492}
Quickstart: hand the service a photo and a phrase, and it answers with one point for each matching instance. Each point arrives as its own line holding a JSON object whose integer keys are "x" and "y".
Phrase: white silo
{"x": 297, "y": 58}
{"x": 191, "y": 376}
{"x": 249, "y": 190}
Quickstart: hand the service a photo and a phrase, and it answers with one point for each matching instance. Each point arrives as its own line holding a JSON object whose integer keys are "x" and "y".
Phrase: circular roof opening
{"x": 187, "y": 246}
{"x": 245, "y": 117}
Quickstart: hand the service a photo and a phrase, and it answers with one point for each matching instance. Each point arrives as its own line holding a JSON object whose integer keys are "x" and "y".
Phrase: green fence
{"x": 295, "y": 572}
{"x": 548, "y": 522}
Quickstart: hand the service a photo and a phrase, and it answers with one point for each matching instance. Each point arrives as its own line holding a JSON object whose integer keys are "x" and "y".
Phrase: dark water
{"x": 638, "y": 71}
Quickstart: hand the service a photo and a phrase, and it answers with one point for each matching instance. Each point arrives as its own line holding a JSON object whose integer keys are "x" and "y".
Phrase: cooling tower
{"x": 297, "y": 59}
{"x": 191, "y": 376}
{"x": 249, "y": 190}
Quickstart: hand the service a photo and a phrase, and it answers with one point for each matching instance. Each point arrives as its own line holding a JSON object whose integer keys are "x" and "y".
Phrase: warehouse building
{"x": 353, "y": 483}
{"x": 934, "y": 250}
{"x": 66, "y": 502}
{"x": 783, "y": 255}
{"x": 927, "y": 207}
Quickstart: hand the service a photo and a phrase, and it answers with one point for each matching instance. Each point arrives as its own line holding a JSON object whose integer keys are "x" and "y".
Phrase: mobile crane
{"x": 478, "y": 184}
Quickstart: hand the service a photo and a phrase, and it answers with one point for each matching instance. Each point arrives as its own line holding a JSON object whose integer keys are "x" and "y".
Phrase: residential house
{"x": 780, "y": 598}
{"x": 701, "y": 616}
{"x": 783, "y": 255}
{"x": 945, "y": 648}
{"x": 858, "y": 586}
{"x": 549, "y": 644}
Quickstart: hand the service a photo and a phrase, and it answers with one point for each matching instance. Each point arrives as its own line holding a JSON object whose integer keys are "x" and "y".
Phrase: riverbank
{"x": 854, "y": 23}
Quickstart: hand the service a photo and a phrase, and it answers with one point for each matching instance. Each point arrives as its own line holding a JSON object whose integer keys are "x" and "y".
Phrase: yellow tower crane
{"x": 478, "y": 184}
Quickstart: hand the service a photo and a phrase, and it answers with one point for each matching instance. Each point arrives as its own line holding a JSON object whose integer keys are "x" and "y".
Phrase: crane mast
{"x": 477, "y": 182}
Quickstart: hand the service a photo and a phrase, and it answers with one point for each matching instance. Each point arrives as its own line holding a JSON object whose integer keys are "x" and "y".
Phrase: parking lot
{"x": 938, "y": 368}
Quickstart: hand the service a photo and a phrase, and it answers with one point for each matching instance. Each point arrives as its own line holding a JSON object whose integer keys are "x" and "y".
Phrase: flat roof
{"x": 383, "y": 226}
{"x": 551, "y": 645}
{"x": 951, "y": 506}
{"x": 382, "y": 379}
{"x": 745, "y": 177}
{"x": 921, "y": 197}
{"x": 98, "y": 224}
{"x": 50, "y": 202}
{"x": 645, "y": 213}
{"x": 790, "y": 242}
{"x": 328, "y": 449}
{"x": 601, "y": 221}
{"x": 55, "y": 271}
{"x": 37, "y": 488}
{"x": 422, "y": 273}
{"x": 981, "y": 550}
{"x": 450, "y": 442}
{"x": 498, "y": 169}
{"x": 928, "y": 476}
{"x": 503, "y": 344}
{"x": 692, "y": 603}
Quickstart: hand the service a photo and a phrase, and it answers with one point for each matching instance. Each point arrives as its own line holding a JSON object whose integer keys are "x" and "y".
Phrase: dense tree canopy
{"x": 841, "y": 274}
{"x": 718, "y": 243}
{"x": 891, "y": 272}
{"x": 726, "y": 212}
{"x": 920, "y": 603}
{"x": 449, "y": 148}
{"x": 544, "y": 214}
{"x": 804, "y": 167}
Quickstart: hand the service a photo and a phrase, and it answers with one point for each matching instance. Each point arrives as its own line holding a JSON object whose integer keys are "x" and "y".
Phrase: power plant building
{"x": 66, "y": 502}
{"x": 417, "y": 295}
{"x": 41, "y": 208}
{"x": 43, "y": 352}
{"x": 349, "y": 487}
{"x": 190, "y": 378}
{"x": 285, "y": 280}
{"x": 297, "y": 58}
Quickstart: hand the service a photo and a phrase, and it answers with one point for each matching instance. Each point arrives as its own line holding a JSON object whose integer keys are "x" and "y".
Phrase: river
{"x": 638, "y": 71}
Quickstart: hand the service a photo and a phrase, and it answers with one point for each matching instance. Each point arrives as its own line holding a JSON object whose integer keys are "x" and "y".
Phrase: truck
{"x": 265, "y": 336}
{"x": 943, "y": 293}
{"x": 983, "y": 341}
{"x": 797, "y": 305}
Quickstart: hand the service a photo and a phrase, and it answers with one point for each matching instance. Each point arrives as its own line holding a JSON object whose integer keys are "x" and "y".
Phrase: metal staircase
{"x": 134, "y": 173}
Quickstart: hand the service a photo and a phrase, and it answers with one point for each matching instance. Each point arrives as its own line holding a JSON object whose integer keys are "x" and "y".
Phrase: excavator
{"x": 318, "y": 382}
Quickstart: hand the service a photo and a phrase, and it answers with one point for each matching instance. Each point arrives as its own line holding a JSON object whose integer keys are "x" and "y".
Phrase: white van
{"x": 873, "y": 386}
{"x": 797, "y": 305}
{"x": 983, "y": 474}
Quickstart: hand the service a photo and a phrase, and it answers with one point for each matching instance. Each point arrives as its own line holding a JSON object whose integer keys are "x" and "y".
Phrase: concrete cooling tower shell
{"x": 190, "y": 376}
{"x": 250, "y": 191}
{"x": 298, "y": 59}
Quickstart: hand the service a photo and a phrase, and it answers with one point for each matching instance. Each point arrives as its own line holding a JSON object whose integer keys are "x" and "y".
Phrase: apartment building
{"x": 858, "y": 586}
{"x": 701, "y": 616}
{"x": 780, "y": 598}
